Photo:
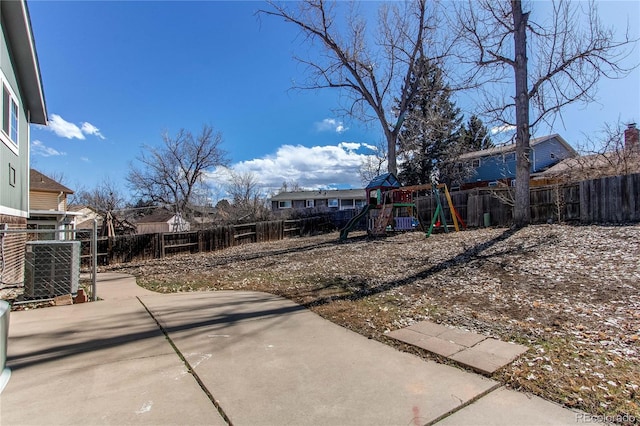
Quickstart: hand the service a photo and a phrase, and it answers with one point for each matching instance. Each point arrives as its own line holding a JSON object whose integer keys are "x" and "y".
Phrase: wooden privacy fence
{"x": 128, "y": 248}
{"x": 614, "y": 199}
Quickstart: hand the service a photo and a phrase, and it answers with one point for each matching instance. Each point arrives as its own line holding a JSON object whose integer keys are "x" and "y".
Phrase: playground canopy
{"x": 387, "y": 180}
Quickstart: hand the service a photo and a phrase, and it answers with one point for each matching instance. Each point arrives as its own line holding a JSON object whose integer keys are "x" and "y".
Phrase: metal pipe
{"x": 94, "y": 260}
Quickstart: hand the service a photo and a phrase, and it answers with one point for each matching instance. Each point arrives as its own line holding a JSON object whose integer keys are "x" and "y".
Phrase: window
{"x": 333, "y": 202}
{"x": 475, "y": 163}
{"x": 9, "y": 133}
{"x": 310, "y": 204}
{"x": 509, "y": 157}
{"x": 347, "y": 204}
{"x": 284, "y": 204}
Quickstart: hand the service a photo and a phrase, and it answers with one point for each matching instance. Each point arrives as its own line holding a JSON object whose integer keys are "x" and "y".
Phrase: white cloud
{"x": 66, "y": 129}
{"x": 317, "y": 167}
{"x": 38, "y": 148}
{"x": 63, "y": 128}
{"x": 85, "y": 159}
{"x": 90, "y": 129}
{"x": 330, "y": 125}
{"x": 502, "y": 129}
{"x": 349, "y": 146}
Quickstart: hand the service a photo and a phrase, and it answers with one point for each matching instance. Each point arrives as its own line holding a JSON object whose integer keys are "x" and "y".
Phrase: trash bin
{"x": 5, "y": 373}
{"x": 487, "y": 220}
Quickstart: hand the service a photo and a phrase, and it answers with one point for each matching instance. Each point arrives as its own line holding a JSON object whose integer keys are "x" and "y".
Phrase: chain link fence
{"x": 41, "y": 265}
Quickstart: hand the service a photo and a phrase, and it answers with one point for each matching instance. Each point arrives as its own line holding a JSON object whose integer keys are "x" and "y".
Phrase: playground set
{"x": 392, "y": 207}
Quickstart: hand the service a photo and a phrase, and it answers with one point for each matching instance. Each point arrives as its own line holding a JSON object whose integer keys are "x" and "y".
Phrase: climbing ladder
{"x": 383, "y": 220}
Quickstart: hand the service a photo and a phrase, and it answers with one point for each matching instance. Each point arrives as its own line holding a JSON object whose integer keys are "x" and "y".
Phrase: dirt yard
{"x": 569, "y": 293}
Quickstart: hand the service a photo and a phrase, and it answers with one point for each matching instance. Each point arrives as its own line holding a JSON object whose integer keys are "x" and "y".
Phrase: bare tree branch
{"x": 171, "y": 173}
{"x": 372, "y": 75}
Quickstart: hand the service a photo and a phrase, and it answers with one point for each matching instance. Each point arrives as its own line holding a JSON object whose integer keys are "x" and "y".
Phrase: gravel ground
{"x": 568, "y": 292}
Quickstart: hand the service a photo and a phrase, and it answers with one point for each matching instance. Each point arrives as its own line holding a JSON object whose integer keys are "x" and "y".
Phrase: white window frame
{"x": 475, "y": 163}
{"x": 333, "y": 202}
{"x": 285, "y": 204}
{"x": 13, "y": 120}
{"x": 310, "y": 204}
{"x": 345, "y": 206}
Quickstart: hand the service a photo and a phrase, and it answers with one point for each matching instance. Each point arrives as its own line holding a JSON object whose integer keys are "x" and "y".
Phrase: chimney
{"x": 631, "y": 137}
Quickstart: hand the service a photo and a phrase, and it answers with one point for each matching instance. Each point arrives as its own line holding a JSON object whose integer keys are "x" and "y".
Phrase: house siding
{"x": 48, "y": 201}
{"x": 543, "y": 155}
{"x": 152, "y": 228}
{"x": 347, "y": 199}
{"x": 503, "y": 165}
{"x": 160, "y": 227}
{"x": 14, "y": 196}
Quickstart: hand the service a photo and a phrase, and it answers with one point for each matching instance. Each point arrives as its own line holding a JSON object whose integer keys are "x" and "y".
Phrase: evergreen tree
{"x": 474, "y": 136}
{"x": 430, "y": 128}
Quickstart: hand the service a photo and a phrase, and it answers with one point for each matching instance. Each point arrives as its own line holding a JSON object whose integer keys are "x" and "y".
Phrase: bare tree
{"x": 170, "y": 174}
{"x": 291, "y": 186}
{"x": 373, "y": 165}
{"x": 248, "y": 200}
{"x": 373, "y": 70}
{"x": 551, "y": 63}
{"x": 105, "y": 197}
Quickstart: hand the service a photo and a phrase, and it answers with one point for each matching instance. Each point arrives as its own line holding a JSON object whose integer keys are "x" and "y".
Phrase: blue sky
{"x": 117, "y": 74}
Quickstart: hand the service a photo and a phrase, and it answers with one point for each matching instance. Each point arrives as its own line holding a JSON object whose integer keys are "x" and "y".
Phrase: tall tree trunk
{"x": 522, "y": 211}
{"x": 392, "y": 137}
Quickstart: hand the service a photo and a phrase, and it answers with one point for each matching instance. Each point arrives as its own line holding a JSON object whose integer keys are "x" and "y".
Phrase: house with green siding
{"x": 22, "y": 103}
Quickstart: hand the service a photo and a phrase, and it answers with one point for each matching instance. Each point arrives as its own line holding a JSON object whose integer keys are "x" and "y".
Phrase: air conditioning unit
{"x": 52, "y": 268}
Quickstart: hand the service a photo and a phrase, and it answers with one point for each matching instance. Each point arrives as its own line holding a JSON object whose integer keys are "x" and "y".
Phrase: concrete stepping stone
{"x": 432, "y": 344}
{"x": 481, "y": 353}
{"x": 489, "y": 355}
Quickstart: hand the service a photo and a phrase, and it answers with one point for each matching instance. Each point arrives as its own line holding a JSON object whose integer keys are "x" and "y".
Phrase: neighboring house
{"x": 160, "y": 222}
{"x": 22, "y": 103}
{"x": 499, "y": 163}
{"x": 86, "y": 215}
{"x": 334, "y": 199}
{"x": 48, "y": 206}
{"x": 623, "y": 160}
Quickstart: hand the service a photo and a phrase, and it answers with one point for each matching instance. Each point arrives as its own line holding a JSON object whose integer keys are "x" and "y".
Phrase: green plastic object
{"x": 344, "y": 232}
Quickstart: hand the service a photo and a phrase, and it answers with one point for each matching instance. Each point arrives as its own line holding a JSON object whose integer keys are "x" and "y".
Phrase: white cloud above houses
{"x": 90, "y": 129}
{"x": 68, "y": 130}
{"x": 502, "y": 129}
{"x": 316, "y": 167}
{"x": 63, "y": 128}
{"x": 349, "y": 146}
{"x": 40, "y": 149}
{"x": 330, "y": 125}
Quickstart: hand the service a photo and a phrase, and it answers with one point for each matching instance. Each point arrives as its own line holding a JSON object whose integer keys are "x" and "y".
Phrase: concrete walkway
{"x": 244, "y": 358}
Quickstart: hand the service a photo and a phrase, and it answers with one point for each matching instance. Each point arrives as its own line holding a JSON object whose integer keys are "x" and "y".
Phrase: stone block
{"x": 65, "y": 299}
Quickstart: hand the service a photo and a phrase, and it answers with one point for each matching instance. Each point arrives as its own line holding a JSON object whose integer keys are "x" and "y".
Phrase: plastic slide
{"x": 353, "y": 221}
